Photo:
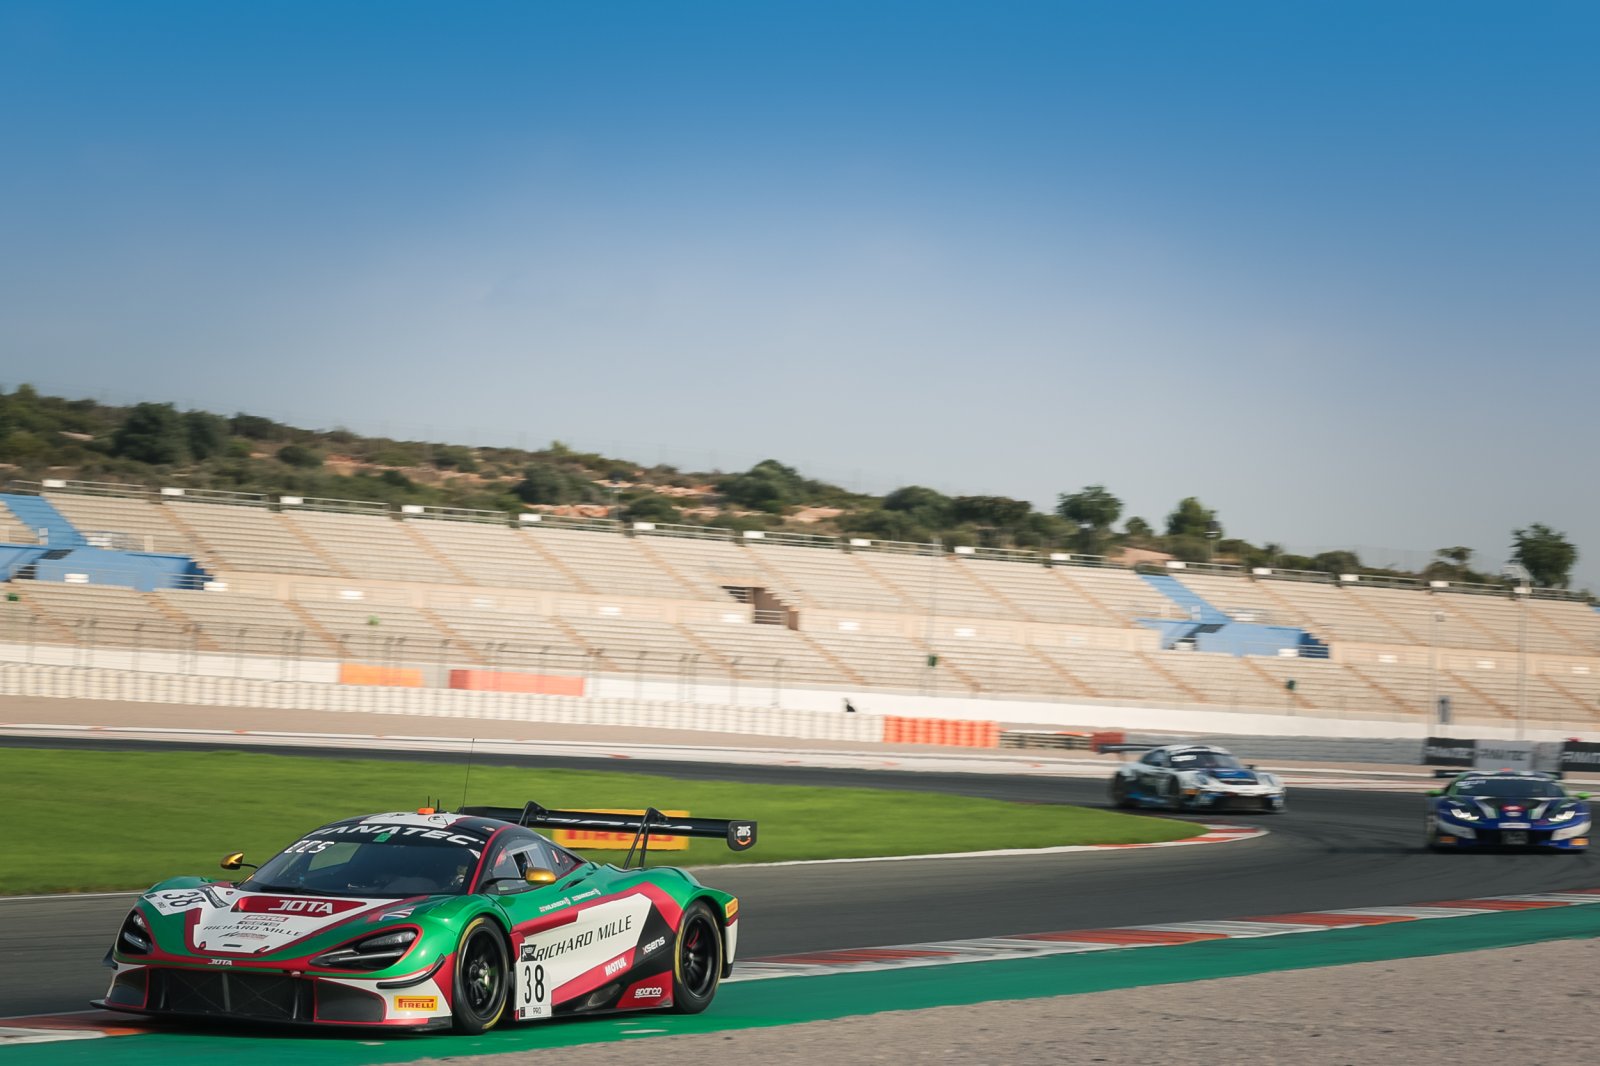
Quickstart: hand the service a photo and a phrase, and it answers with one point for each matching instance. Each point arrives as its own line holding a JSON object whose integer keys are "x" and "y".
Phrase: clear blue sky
{"x": 1332, "y": 267}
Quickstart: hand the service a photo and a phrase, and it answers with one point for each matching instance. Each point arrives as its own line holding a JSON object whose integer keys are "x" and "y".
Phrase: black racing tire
{"x": 1119, "y": 793}
{"x": 482, "y": 978}
{"x": 697, "y": 959}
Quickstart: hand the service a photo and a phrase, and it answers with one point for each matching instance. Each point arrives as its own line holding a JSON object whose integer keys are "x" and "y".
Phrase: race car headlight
{"x": 1461, "y": 814}
{"x": 1563, "y": 816}
{"x": 1568, "y": 832}
{"x": 134, "y": 938}
{"x": 369, "y": 953}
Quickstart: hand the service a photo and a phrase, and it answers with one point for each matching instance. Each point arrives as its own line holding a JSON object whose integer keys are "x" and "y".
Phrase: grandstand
{"x": 354, "y": 582}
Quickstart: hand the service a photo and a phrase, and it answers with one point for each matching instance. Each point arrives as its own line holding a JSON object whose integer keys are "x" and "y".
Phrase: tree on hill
{"x": 205, "y": 433}
{"x": 1547, "y": 555}
{"x": 1094, "y": 511}
{"x": 152, "y": 433}
{"x": 1191, "y": 518}
{"x": 768, "y": 486}
{"x": 651, "y": 507}
{"x": 924, "y": 506}
{"x": 550, "y": 483}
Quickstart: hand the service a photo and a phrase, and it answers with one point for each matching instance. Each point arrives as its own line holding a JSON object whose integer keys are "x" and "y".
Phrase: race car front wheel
{"x": 1119, "y": 792}
{"x": 483, "y": 969}
{"x": 697, "y": 962}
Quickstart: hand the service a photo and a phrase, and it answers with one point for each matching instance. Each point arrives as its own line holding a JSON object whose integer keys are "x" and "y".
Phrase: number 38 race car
{"x": 1183, "y": 777}
{"x": 425, "y": 920}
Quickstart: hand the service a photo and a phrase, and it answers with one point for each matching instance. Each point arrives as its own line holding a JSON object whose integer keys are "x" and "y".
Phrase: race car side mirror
{"x": 1581, "y": 795}
{"x": 235, "y": 859}
{"x": 1435, "y": 792}
{"x": 537, "y": 876}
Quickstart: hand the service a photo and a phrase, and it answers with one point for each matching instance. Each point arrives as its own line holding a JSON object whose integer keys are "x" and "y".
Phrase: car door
{"x": 1153, "y": 773}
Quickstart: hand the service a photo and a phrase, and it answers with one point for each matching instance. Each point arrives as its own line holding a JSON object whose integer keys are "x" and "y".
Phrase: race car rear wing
{"x": 1119, "y": 748}
{"x": 740, "y": 835}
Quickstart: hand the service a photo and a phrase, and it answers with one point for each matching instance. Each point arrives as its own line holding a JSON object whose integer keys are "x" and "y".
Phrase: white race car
{"x": 1192, "y": 777}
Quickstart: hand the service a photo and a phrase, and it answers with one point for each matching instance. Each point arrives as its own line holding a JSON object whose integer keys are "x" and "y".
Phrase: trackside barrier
{"x": 510, "y": 681}
{"x": 392, "y": 676}
{"x": 84, "y": 683}
{"x": 951, "y": 732}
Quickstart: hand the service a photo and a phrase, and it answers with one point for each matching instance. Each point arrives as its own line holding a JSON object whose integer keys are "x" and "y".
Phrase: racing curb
{"x": 1165, "y": 934}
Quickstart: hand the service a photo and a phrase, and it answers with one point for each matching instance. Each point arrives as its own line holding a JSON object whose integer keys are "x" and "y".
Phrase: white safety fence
{"x": 68, "y": 682}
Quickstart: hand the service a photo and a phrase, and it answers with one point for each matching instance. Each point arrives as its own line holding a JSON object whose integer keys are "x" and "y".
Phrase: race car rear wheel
{"x": 482, "y": 979}
{"x": 697, "y": 960}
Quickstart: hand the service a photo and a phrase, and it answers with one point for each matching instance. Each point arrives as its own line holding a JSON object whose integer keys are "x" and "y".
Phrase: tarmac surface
{"x": 1333, "y": 849}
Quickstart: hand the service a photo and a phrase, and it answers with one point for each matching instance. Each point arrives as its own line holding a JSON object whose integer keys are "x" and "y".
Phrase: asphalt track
{"x": 1333, "y": 849}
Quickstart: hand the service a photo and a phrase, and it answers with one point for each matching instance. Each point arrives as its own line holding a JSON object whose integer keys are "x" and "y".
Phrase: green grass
{"x": 88, "y": 820}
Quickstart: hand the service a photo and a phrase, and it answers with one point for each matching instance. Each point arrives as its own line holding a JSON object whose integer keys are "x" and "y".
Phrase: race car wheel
{"x": 483, "y": 973}
{"x": 1173, "y": 794}
{"x": 697, "y": 962}
{"x": 1119, "y": 793}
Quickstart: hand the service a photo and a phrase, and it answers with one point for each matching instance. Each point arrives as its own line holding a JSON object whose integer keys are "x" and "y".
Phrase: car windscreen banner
{"x": 1578, "y": 755}
{"x": 1448, "y": 751}
{"x": 1503, "y": 755}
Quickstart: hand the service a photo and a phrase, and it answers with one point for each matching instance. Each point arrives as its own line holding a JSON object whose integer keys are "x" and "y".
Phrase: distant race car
{"x": 429, "y": 920}
{"x": 1182, "y": 777}
{"x": 1507, "y": 809}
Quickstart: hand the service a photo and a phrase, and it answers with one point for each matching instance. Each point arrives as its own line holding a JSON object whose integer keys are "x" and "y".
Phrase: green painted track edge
{"x": 790, "y": 1000}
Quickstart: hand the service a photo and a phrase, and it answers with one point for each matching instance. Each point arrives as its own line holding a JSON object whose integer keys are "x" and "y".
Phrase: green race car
{"x": 425, "y": 920}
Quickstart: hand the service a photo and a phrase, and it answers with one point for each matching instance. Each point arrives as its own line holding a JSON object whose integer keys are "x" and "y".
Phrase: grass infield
{"x": 84, "y": 821}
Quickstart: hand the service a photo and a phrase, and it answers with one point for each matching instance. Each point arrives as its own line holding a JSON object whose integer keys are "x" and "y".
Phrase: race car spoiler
{"x": 740, "y": 835}
{"x": 1126, "y": 747}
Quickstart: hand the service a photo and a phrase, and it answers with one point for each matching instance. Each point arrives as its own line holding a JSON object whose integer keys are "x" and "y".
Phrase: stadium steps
{"x": 59, "y": 633}
{"x": 314, "y": 549}
{"x": 1388, "y": 617}
{"x": 1062, "y": 672}
{"x": 1458, "y": 678}
{"x": 1295, "y": 697}
{"x": 1173, "y": 679}
{"x": 181, "y": 621}
{"x": 1195, "y": 606}
{"x": 1396, "y": 700}
{"x": 1581, "y": 705}
{"x": 313, "y": 627}
{"x": 967, "y": 679}
{"x": 432, "y": 552}
{"x": 1485, "y": 631}
{"x": 457, "y": 642}
{"x": 994, "y": 593}
{"x": 1550, "y": 626}
{"x": 557, "y": 564}
{"x": 203, "y": 553}
{"x": 1083, "y": 593}
{"x": 659, "y": 560}
{"x": 838, "y": 664}
{"x": 36, "y": 513}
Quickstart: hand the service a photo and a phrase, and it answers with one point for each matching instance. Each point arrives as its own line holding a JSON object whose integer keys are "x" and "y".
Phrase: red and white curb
{"x": 1214, "y": 834}
{"x": 1165, "y": 934}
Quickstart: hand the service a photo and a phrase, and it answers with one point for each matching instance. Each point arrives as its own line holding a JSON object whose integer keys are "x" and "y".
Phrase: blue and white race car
{"x": 1507, "y": 809}
{"x": 1197, "y": 777}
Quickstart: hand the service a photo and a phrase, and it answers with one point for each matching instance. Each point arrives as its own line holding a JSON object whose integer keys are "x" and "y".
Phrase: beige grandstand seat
{"x": 135, "y": 525}
{"x": 1330, "y": 613}
{"x": 770, "y": 653}
{"x": 992, "y": 667}
{"x": 234, "y": 537}
{"x": 1113, "y": 674}
{"x": 256, "y": 624}
{"x": 101, "y": 615}
{"x": 934, "y": 583}
{"x": 400, "y": 633}
{"x": 493, "y": 556}
{"x": 1413, "y": 611}
{"x": 1224, "y": 680}
{"x": 1036, "y": 592}
{"x": 824, "y": 578}
{"x": 885, "y": 661}
{"x": 606, "y": 561}
{"x": 372, "y": 546}
{"x": 1579, "y": 622}
{"x": 1122, "y": 594}
{"x": 707, "y": 567}
{"x": 1500, "y": 618}
{"x": 515, "y": 640}
{"x": 1323, "y": 685}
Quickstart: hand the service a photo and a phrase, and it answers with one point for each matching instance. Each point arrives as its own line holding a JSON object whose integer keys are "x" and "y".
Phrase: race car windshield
{"x": 332, "y": 863}
{"x": 1509, "y": 788}
{"x": 1205, "y": 760}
